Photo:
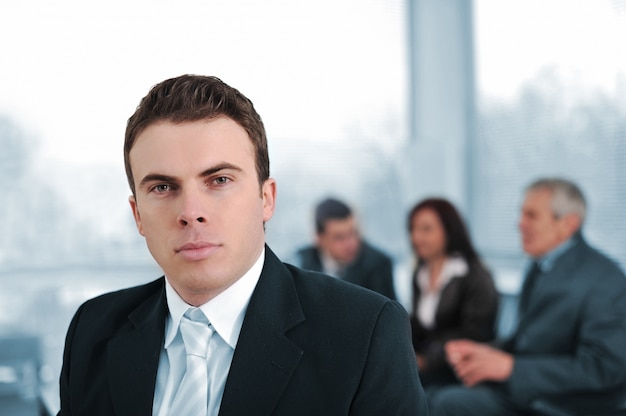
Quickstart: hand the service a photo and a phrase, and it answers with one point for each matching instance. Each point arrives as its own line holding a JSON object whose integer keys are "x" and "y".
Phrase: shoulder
{"x": 307, "y": 251}
{"x": 478, "y": 271}
{"x": 587, "y": 259}
{"x": 373, "y": 254}
{"x": 131, "y": 295}
{"x": 596, "y": 280}
{"x": 329, "y": 295}
{"x": 467, "y": 271}
{"x": 308, "y": 255}
{"x": 481, "y": 285}
{"x": 113, "y": 308}
{"x": 308, "y": 258}
{"x": 591, "y": 276}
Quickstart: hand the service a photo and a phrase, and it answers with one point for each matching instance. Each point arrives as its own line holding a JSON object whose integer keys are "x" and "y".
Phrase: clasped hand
{"x": 474, "y": 363}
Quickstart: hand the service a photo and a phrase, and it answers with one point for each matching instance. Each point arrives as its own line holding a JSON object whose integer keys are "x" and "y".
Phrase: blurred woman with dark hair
{"x": 453, "y": 292}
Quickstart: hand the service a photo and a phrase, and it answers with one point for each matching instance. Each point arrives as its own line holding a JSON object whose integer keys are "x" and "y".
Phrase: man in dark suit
{"x": 272, "y": 339}
{"x": 340, "y": 251}
{"x": 568, "y": 348}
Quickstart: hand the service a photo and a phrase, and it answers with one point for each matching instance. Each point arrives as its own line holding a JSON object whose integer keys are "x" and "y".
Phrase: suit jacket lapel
{"x": 265, "y": 358}
{"x": 133, "y": 357}
{"x": 563, "y": 267}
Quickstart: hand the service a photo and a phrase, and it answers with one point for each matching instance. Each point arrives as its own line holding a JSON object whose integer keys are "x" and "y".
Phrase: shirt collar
{"x": 330, "y": 266}
{"x": 225, "y": 311}
{"x": 547, "y": 261}
{"x": 453, "y": 266}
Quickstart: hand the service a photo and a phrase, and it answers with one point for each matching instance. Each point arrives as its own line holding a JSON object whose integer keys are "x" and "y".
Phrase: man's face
{"x": 540, "y": 230}
{"x": 340, "y": 240}
{"x": 198, "y": 203}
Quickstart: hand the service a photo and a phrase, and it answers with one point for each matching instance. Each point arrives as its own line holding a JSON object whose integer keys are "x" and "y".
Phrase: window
{"x": 551, "y": 93}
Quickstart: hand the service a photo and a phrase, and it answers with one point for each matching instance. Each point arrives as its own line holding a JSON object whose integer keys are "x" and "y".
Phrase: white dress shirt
{"x": 453, "y": 267}
{"x": 330, "y": 266}
{"x": 225, "y": 313}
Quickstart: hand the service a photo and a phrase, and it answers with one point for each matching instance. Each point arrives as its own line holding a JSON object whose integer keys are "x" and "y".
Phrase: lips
{"x": 196, "y": 251}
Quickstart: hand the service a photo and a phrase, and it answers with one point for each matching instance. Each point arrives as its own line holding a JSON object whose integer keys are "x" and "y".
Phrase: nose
{"x": 191, "y": 209}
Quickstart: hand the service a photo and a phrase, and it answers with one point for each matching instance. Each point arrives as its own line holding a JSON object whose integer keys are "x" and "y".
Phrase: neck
{"x": 435, "y": 265}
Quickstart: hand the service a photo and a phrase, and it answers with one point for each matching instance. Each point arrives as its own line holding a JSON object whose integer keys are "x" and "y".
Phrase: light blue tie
{"x": 192, "y": 395}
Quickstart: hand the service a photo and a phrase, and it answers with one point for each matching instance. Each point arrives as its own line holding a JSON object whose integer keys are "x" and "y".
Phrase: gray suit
{"x": 570, "y": 342}
{"x": 572, "y": 337}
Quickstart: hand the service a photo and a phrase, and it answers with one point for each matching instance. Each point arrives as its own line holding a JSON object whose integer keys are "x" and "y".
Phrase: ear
{"x": 570, "y": 223}
{"x": 268, "y": 193}
{"x": 133, "y": 206}
{"x": 320, "y": 239}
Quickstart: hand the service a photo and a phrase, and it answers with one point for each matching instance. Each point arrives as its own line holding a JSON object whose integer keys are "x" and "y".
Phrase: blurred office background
{"x": 378, "y": 102}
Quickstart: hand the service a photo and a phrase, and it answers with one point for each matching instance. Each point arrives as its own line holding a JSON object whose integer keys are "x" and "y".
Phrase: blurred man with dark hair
{"x": 340, "y": 251}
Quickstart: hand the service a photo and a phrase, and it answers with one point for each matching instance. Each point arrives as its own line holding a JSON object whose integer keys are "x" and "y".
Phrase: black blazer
{"x": 371, "y": 269}
{"x": 309, "y": 345}
{"x": 467, "y": 308}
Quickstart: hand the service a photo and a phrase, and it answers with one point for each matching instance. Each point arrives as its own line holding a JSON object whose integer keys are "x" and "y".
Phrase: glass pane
{"x": 552, "y": 95}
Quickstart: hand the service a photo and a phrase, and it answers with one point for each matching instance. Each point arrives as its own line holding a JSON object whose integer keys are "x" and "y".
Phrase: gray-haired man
{"x": 568, "y": 349}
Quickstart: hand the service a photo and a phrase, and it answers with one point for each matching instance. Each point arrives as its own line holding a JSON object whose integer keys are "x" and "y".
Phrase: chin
{"x": 349, "y": 260}
{"x": 533, "y": 253}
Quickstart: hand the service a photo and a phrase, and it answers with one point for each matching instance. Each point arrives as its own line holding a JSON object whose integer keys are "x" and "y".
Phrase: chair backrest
{"x": 20, "y": 360}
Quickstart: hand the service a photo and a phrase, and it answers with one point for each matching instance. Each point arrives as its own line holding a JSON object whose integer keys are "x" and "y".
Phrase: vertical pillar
{"x": 441, "y": 100}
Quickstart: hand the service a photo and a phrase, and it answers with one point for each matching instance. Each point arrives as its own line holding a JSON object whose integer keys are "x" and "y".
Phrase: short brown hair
{"x": 191, "y": 98}
{"x": 328, "y": 210}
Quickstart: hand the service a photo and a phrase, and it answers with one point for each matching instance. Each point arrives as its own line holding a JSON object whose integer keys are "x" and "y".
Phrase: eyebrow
{"x": 220, "y": 167}
{"x": 158, "y": 177}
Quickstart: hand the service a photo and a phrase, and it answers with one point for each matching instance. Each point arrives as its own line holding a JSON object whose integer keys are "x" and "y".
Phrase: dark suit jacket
{"x": 309, "y": 345}
{"x": 372, "y": 268}
{"x": 572, "y": 337}
{"x": 467, "y": 308}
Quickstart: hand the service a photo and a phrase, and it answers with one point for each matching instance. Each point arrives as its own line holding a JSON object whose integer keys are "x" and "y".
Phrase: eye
{"x": 221, "y": 180}
{"x": 161, "y": 188}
